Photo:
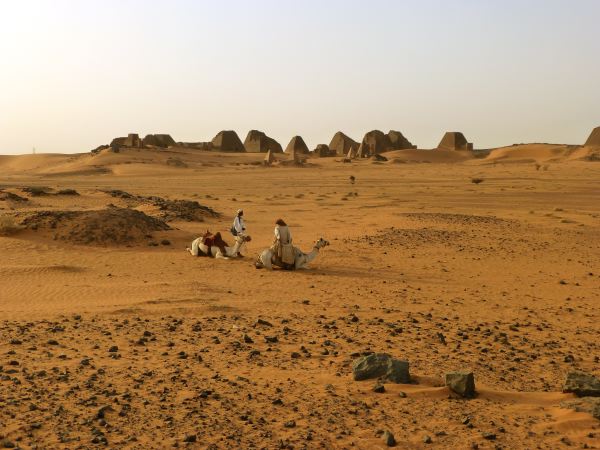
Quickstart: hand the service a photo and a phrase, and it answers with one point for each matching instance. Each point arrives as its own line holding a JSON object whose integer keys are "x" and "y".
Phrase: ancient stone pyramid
{"x": 257, "y": 141}
{"x": 227, "y": 141}
{"x": 297, "y": 146}
{"x": 159, "y": 140}
{"x": 594, "y": 139}
{"x": 454, "y": 140}
{"x": 341, "y": 143}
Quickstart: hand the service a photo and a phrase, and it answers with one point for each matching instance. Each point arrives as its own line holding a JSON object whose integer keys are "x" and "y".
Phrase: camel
{"x": 265, "y": 259}
{"x": 199, "y": 247}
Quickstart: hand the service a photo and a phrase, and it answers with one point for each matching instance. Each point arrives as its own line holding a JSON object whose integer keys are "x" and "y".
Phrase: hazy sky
{"x": 74, "y": 74}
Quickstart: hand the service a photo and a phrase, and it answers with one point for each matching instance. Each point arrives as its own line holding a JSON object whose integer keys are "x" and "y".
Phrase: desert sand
{"x": 112, "y": 335}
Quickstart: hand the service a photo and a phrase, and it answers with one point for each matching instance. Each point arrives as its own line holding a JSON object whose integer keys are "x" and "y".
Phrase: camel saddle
{"x": 215, "y": 241}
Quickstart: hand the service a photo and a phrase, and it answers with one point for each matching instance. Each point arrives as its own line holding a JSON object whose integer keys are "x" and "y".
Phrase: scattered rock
{"x": 388, "y": 439}
{"x": 379, "y": 388}
{"x": 462, "y": 383}
{"x": 582, "y": 384}
{"x": 381, "y": 365}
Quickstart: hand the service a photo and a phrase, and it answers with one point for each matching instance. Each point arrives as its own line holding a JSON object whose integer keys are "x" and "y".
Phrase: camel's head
{"x": 321, "y": 243}
{"x": 206, "y": 235}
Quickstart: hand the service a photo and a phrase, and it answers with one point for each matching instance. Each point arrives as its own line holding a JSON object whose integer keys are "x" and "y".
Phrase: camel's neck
{"x": 312, "y": 255}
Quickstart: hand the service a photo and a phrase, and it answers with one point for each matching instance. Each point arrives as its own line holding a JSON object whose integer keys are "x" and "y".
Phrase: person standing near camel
{"x": 282, "y": 247}
{"x": 238, "y": 229}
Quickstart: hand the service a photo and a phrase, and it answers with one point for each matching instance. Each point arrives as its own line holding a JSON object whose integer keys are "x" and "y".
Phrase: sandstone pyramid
{"x": 594, "y": 139}
{"x": 397, "y": 141}
{"x": 297, "y": 146}
{"x": 269, "y": 158}
{"x": 159, "y": 140}
{"x": 227, "y": 141}
{"x": 133, "y": 140}
{"x": 373, "y": 142}
{"x": 341, "y": 143}
{"x": 454, "y": 140}
{"x": 257, "y": 141}
{"x": 323, "y": 151}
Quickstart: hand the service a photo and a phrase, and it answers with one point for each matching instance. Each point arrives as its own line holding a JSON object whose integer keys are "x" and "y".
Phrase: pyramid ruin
{"x": 594, "y": 139}
{"x": 227, "y": 141}
{"x": 258, "y": 142}
{"x": 454, "y": 140}
{"x": 340, "y": 144}
{"x": 323, "y": 151}
{"x": 269, "y": 158}
{"x": 398, "y": 141}
{"x": 297, "y": 146}
{"x": 158, "y": 140}
{"x": 373, "y": 142}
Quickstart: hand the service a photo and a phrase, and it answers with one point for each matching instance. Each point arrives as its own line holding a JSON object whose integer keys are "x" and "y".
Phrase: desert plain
{"x": 113, "y": 336}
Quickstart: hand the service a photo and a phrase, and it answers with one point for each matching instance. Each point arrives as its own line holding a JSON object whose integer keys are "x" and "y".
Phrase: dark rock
{"x": 379, "y": 388}
{"x": 247, "y": 339}
{"x": 189, "y": 438}
{"x": 582, "y": 384}
{"x": 113, "y": 349}
{"x": 489, "y": 436}
{"x": 427, "y": 439}
{"x": 388, "y": 439}
{"x": 462, "y": 383}
{"x": 381, "y": 365}
{"x": 290, "y": 424}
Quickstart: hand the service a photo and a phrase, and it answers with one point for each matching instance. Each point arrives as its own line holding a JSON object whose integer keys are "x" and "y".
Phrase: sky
{"x": 76, "y": 73}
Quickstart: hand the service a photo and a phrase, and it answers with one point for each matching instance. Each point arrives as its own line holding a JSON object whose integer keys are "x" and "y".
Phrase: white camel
{"x": 265, "y": 259}
{"x": 231, "y": 252}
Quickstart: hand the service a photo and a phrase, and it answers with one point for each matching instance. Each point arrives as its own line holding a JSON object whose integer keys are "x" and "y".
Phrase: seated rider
{"x": 282, "y": 247}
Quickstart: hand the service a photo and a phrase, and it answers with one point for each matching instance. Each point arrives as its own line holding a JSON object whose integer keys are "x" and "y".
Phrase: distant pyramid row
{"x": 373, "y": 143}
{"x": 257, "y": 141}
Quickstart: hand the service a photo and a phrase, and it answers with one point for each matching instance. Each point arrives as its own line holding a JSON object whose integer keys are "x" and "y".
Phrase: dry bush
{"x": 9, "y": 226}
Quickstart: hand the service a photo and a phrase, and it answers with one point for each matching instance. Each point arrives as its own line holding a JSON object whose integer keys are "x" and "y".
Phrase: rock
{"x": 113, "y": 349}
{"x": 462, "y": 383}
{"x": 582, "y": 384}
{"x": 379, "y": 388}
{"x": 427, "y": 439}
{"x": 290, "y": 424}
{"x": 388, "y": 439}
{"x": 247, "y": 339}
{"x": 381, "y": 365}
{"x": 489, "y": 436}
{"x": 189, "y": 438}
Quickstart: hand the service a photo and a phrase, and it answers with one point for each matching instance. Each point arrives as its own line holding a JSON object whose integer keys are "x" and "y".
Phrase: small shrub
{"x": 8, "y": 226}
{"x": 67, "y": 192}
{"x": 476, "y": 180}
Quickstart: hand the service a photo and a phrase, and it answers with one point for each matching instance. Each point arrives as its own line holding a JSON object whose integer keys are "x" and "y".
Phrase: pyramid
{"x": 158, "y": 140}
{"x": 257, "y": 141}
{"x": 269, "y": 158}
{"x": 340, "y": 144}
{"x": 323, "y": 151}
{"x": 594, "y": 139}
{"x": 227, "y": 141}
{"x": 454, "y": 140}
{"x": 133, "y": 140}
{"x": 373, "y": 142}
{"x": 397, "y": 141}
{"x": 297, "y": 146}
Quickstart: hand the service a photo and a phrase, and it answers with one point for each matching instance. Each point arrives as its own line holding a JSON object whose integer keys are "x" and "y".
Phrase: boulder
{"x": 462, "y": 383}
{"x": 594, "y": 138}
{"x": 159, "y": 140}
{"x": 378, "y": 157}
{"x": 257, "y": 141}
{"x": 582, "y": 384}
{"x": 381, "y": 365}
{"x": 227, "y": 141}
{"x": 454, "y": 140}
{"x": 341, "y": 144}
